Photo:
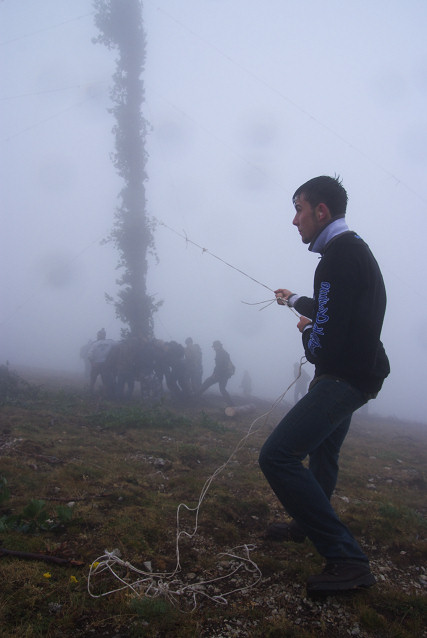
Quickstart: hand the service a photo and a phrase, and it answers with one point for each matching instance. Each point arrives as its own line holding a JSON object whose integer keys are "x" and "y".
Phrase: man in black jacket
{"x": 341, "y": 327}
{"x": 224, "y": 369}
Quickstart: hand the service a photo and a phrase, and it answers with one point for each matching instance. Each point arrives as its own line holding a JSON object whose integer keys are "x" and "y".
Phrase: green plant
{"x": 36, "y": 517}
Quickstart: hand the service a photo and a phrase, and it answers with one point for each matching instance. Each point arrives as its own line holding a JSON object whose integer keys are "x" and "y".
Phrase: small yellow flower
{"x": 73, "y": 579}
{"x": 47, "y": 575}
{"x": 95, "y": 564}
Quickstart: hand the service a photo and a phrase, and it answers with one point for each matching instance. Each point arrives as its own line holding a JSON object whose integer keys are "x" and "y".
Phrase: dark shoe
{"x": 285, "y": 532}
{"x": 341, "y": 577}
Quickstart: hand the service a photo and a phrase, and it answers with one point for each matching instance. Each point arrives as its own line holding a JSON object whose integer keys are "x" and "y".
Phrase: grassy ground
{"x": 80, "y": 476}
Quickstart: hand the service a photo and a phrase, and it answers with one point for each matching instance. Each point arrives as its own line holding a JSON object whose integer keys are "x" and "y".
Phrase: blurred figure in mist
{"x": 99, "y": 363}
{"x": 194, "y": 366}
{"x": 176, "y": 371}
{"x": 84, "y": 351}
{"x": 301, "y": 384}
{"x": 224, "y": 369}
{"x": 152, "y": 367}
{"x": 124, "y": 360}
{"x": 246, "y": 384}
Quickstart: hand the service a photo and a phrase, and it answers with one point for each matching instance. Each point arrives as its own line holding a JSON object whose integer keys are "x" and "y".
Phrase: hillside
{"x": 80, "y": 476}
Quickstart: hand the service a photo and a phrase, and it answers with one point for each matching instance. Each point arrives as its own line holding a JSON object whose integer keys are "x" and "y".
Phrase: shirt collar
{"x": 333, "y": 229}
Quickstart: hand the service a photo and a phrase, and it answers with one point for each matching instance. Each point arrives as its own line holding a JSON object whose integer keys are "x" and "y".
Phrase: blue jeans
{"x": 316, "y": 426}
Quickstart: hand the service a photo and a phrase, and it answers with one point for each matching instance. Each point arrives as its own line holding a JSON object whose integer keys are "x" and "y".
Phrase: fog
{"x": 246, "y": 101}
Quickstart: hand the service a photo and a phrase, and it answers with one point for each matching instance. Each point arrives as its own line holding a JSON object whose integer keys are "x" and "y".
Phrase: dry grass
{"x": 125, "y": 469}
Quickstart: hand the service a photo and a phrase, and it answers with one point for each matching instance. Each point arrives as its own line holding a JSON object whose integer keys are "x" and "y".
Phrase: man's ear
{"x": 323, "y": 213}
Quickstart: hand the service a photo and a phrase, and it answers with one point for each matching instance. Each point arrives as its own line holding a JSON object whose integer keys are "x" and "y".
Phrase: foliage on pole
{"x": 120, "y": 26}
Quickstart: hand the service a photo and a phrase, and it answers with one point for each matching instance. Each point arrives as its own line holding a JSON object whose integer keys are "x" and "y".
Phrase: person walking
{"x": 224, "y": 369}
{"x": 341, "y": 328}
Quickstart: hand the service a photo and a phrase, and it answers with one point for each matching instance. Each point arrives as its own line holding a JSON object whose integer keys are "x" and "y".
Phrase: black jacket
{"x": 347, "y": 310}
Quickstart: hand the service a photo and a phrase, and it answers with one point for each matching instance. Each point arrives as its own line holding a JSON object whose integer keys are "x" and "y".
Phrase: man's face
{"x": 306, "y": 219}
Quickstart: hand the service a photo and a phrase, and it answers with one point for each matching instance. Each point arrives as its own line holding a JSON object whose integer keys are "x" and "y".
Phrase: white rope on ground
{"x": 167, "y": 584}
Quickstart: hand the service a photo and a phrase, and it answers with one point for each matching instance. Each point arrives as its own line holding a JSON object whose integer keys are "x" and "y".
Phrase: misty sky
{"x": 246, "y": 100}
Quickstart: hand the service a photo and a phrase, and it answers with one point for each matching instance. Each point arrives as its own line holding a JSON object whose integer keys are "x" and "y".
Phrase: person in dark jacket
{"x": 341, "y": 326}
{"x": 100, "y": 363}
{"x": 193, "y": 359}
{"x": 176, "y": 371}
{"x": 224, "y": 369}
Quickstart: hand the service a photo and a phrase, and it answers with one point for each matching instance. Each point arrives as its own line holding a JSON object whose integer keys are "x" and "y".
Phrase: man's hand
{"x": 282, "y": 295}
{"x": 302, "y": 323}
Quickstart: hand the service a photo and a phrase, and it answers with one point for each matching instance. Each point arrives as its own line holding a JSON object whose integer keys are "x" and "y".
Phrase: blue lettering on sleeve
{"x": 321, "y": 318}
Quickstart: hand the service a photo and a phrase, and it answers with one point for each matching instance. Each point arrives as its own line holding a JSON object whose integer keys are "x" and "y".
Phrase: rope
{"x": 205, "y": 250}
{"x": 269, "y": 302}
{"x": 283, "y": 302}
{"x": 167, "y": 584}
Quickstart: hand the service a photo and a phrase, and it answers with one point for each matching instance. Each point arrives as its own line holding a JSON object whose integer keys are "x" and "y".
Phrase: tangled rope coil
{"x": 173, "y": 589}
{"x": 146, "y": 583}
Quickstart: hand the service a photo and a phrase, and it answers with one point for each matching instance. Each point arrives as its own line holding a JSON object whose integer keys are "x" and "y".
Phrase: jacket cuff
{"x": 292, "y": 300}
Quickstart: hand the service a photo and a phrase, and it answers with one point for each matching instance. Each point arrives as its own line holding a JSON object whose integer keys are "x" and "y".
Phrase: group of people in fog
{"x": 153, "y": 364}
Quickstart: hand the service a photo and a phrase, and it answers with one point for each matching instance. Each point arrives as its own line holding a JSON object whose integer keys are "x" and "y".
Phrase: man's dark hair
{"x": 325, "y": 190}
